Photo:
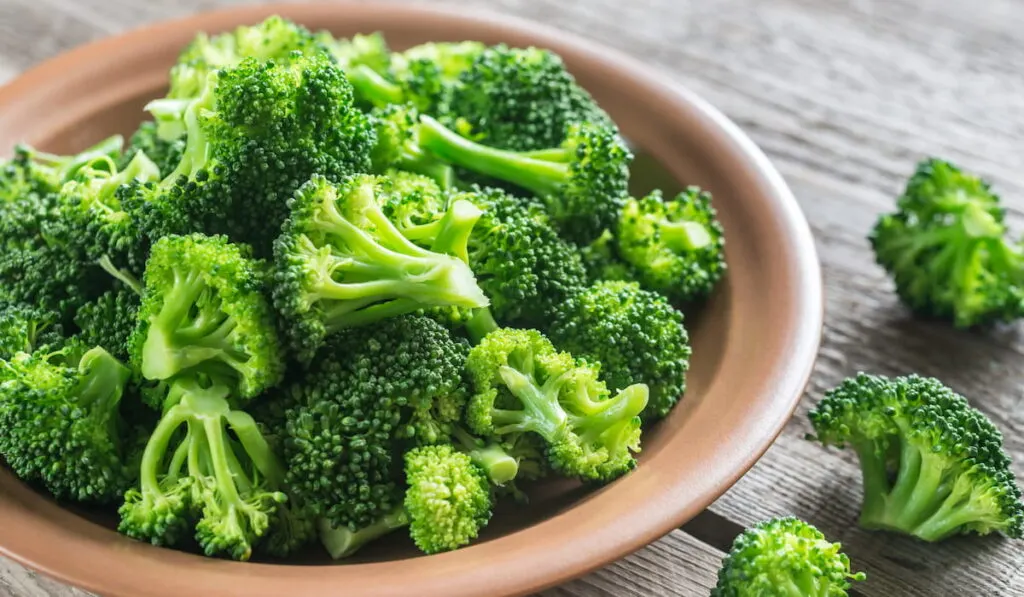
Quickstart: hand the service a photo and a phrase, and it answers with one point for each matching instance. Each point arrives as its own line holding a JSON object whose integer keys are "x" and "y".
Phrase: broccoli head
{"x": 363, "y": 49}
{"x": 784, "y": 557}
{"x": 946, "y": 249}
{"x": 636, "y": 336}
{"x": 109, "y": 320}
{"x": 24, "y": 328}
{"x": 397, "y": 145}
{"x": 932, "y": 465}
{"x": 602, "y": 262}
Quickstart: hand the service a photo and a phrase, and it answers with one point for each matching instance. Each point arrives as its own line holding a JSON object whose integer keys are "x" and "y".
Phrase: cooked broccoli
{"x": 60, "y": 421}
{"x": 204, "y": 310}
{"x": 341, "y": 263}
{"x": 109, "y": 320}
{"x": 397, "y": 145}
{"x": 416, "y": 206}
{"x": 635, "y": 335}
{"x": 582, "y": 182}
{"x": 370, "y": 50}
{"x": 524, "y": 385}
{"x": 676, "y": 247}
{"x": 164, "y": 153}
{"x": 932, "y": 465}
{"x": 947, "y": 250}
{"x": 602, "y": 262}
{"x": 24, "y": 328}
{"x": 341, "y": 541}
{"x": 785, "y": 557}
{"x": 195, "y": 476}
{"x": 35, "y": 172}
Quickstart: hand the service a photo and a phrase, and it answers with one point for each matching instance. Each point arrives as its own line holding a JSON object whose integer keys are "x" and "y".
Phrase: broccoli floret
{"x": 501, "y": 465}
{"x": 203, "y": 310}
{"x": 524, "y": 385}
{"x": 340, "y": 262}
{"x": 636, "y": 336}
{"x": 947, "y": 250}
{"x": 341, "y": 541}
{"x": 24, "y": 328}
{"x": 370, "y": 390}
{"x": 448, "y": 499}
{"x": 784, "y": 557}
{"x": 932, "y": 465}
{"x": 60, "y": 422}
{"x": 519, "y": 261}
{"x": 602, "y": 262}
{"x": 196, "y": 476}
{"x": 520, "y": 99}
{"x": 415, "y": 206}
{"x": 164, "y": 153}
{"x": 35, "y": 172}
{"x": 676, "y": 247}
{"x": 583, "y": 182}
{"x": 109, "y": 320}
{"x": 397, "y": 145}
{"x": 370, "y": 50}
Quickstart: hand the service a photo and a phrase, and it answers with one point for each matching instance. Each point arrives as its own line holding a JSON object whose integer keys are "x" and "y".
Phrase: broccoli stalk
{"x": 501, "y": 468}
{"x": 342, "y": 542}
{"x": 58, "y": 169}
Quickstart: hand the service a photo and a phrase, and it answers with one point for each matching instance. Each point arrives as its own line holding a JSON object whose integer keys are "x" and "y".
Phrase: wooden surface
{"x": 844, "y": 96}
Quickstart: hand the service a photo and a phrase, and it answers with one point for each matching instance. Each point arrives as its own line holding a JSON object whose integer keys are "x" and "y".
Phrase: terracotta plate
{"x": 754, "y": 343}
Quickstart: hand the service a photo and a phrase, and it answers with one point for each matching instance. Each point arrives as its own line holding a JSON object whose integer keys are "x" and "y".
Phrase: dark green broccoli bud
{"x": 204, "y": 310}
{"x": 635, "y": 335}
{"x": 341, "y": 541}
{"x": 524, "y": 385}
{"x": 602, "y": 262}
{"x": 164, "y": 153}
{"x": 26, "y": 329}
{"x": 109, "y": 320}
{"x": 397, "y": 147}
{"x": 947, "y": 250}
{"x": 785, "y": 557}
{"x": 932, "y": 465}
{"x": 583, "y": 182}
{"x": 59, "y": 412}
{"x": 195, "y": 476}
{"x": 676, "y": 247}
{"x": 519, "y": 261}
{"x": 341, "y": 263}
{"x": 448, "y": 499}
{"x": 520, "y": 99}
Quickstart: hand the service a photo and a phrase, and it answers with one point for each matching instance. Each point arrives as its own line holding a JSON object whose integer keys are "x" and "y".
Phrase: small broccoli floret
{"x": 947, "y": 250}
{"x": 499, "y": 464}
{"x": 109, "y": 320}
{"x": 582, "y": 182}
{"x": 26, "y": 329}
{"x": 164, "y": 153}
{"x": 602, "y": 262}
{"x": 636, "y": 336}
{"x": 370, "y": 50}
{"x": 60, "y": 422}
{"x": 524, "y": 385}
{"x": 341, "y": 541}
{"x": 397, "y": 145}
{"x": 932, "y": 465}
{"x": 448, "y": 499}
{"x": 676, "y": 247}
{"x": 35, "y": 172}
{"x": 340, "y": 262}
{"x": 520, "y": 99}
{"x": 785, "y": 557}
{"x": 203, "y": 310}
{"x": 194, "y": 475}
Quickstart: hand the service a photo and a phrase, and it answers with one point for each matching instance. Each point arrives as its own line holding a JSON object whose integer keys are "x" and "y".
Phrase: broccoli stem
{"x": 542, "y": 177}
{"x": 342, "y": 316}
{"x": 455, "y": 229}
{"x": 342, "y": 542}
{"x": 127, "y": 279}
{"x": 65, "y": 167}
{"x": 874, "y": 476}
{"x": 685, "y": 236}
{"x": 100, "y": 388}
{"x": 960, "y": 507}
{"x": 257, "y": 447}
{"x": 541, "y": 411}
{"x": 623, "y": 407}
{"x": 373, "y": 87}
{"x": 480, "y": 324}
{"x": 500, "y": 467}
{"x": 156, "y": 449}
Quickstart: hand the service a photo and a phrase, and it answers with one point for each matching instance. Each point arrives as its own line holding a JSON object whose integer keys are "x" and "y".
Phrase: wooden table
{"x": 844, "y": 96}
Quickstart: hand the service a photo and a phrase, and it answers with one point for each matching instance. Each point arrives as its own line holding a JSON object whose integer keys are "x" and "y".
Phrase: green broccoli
{"x": 583, "y": 182}
{"x": 784, "y": 557}
{"x": 397, "y": 146}
{"x": 524, "y": 385}
{"x": 341, "y": 541}
{"x": 932, "y": 465}
{"x": 109, "y": 320}
{"x": 61, "y": 422}
{"x": 165, "y": 154}
{"x": 25, "y": 329}
{"x": 675, "y": 247}
{"x": 947, "y": 250}
{"x": 636, "y": 336}
{"x": 370, "y": 50}
{"x": 416, "y": 206}
{"x": 341, "y": 263}
{"x": 34, "y": 172}
{"x": 602, "y": 262}
{"x": 204, "y": 310}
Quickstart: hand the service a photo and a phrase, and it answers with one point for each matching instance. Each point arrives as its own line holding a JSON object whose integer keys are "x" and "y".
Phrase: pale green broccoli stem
{"x": 542, "y": 177}
{"x": 256, "y": 446}
{"x": 541, "y": 412}
{"x": 354, "y": 314}
{"x": 65, "y": 167}
{"x": 552, "y": 154}
{"x": 684, "y": 235}
{"x": 602, "y": 415}
{"x": 127, "y": 279}
{"x": 455, "y": 228}
{"x": 500, "y": 467}
{"x": 874, "y": 476}
{"x": 156, "y": 449}
{"x": 960, "y": 507}
{"x": 480, "y": 324}
{"x": 196, "y": 152}
{"x": 100, "y": 387}
{"x": 342, "y": 542}
{"x": 374, "y": 87}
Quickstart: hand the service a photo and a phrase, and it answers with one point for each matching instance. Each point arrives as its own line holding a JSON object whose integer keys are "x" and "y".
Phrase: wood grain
{"x": 845, "y": 96}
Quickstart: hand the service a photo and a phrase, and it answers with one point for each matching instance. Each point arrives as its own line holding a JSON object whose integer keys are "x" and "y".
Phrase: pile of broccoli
{"x": 329, "y": 291}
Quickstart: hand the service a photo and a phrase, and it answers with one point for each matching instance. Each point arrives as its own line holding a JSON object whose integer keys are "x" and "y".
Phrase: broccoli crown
{"x": 60, "y": 414}
{"x": 636, "y": 336}
{"x": 932, "y": 465}
{"x": 524, "y": 385}
{"x": 370, "y": 50}
{"x": 448, "y": 499}
{"x": 946, "y": 249}
{"x": 677, "y": 246}
{"x": 369, "y": 390}
{"x": 521, "y": 99}
{"x": 257, "y": 132}
{"x": 427, "y": 73}
{"x": 109, "y": 320}
{"x": 784, "y": 557}
{"x": 397, "y": 145}
{"x": 583, "y": 182}
{"x": 24, "y": 328}
{"x": 194, "y": 476}
{"x": 164, "y": 153}
{"x": 203, "y": 309}
{"x": 602, "y": 262}
{"x": 520, "y": 262}
{"x": 341, "y": 263}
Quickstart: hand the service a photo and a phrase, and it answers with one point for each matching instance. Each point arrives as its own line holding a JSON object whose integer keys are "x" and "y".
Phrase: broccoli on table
{"x": 524, "y": 385}
{"x": 636, "y": 336}
{"x": 932, "y": 465}
{"x": 341, "y": 263}
{"x": 785, "y": 557}
{"x": 582, "y": 182}
{"x": 947, "y": 250}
